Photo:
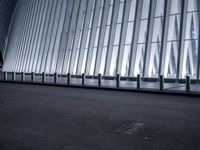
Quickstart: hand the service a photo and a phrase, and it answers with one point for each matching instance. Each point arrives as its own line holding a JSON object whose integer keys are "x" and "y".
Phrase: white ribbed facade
{"x": 6, "y": 12}
{"x": 127, "y": 37}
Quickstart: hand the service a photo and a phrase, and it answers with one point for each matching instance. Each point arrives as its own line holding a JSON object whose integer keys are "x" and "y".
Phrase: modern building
{"x": 127, "y": 37}
{"x": 6, "y": 12}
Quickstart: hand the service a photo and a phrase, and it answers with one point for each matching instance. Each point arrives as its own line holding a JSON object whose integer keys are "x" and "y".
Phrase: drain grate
{"x": 129, "y": 128}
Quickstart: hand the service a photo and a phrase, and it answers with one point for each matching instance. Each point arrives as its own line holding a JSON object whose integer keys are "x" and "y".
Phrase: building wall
{"x": 6, "y": 11}
{"x": 127, "y": 37}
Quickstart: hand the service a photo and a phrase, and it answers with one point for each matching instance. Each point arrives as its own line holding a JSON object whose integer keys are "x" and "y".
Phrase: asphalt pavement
{"x": 34, "y": 117}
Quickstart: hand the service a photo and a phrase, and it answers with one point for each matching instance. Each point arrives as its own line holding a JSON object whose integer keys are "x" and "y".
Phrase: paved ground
{"x": 54, "y": 118}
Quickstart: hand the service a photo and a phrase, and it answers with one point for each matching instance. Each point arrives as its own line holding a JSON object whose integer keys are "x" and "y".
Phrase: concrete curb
{"x": 141, "y": 90}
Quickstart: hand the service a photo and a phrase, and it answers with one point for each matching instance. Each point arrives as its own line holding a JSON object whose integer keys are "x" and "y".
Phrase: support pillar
{"x": 32, "y": 77}
{"x": 55, "y": 77}
{"x": 161, "y": 82}
{"x": 13, "y": 76}
{"x": 99, "y": 80}
{"x": 118, "y": 80}
{"x": 68, "y": 78}
{"x": 138, "y": 81}
{"x": 5, "y": 76}
{"x": 43, "y": 77}
{"x": 83, "y": 79}
{"x": 22, "y": 76}
{"x": 188, "y": 83}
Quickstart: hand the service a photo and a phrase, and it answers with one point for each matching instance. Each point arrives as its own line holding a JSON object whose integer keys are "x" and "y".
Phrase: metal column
{"x": 165, "y": 31}
{"x": 75, "y": 45}
{"x": 104, "y": 19}
{"x": 32, "y": 37}
{"x": 93, "y": 35}
{"x": 48, "y": 36}
{"x": 64, "y": 37}
{"x": 149, "y": 36}
{"x": 134, "y": 43}
{"x": 85, "y": 34}
{"x": 41, "y": 46}
{"x": 198, "y": 63}
{"x": 111, "y": 39}
{"x": 71, "y": 34}
{"x": 127, "y": 5}
{"x": 58, "y": 39}
{"x": 39, "y": 37}
{"x": 28, "y": 34}
{"x": 54, "y": 35}
{"x": 42, "y": 12}
{"x": 181, "y": 53}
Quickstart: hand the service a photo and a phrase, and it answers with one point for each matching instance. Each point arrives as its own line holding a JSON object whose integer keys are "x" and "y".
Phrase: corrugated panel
{"x": 6, "y": 11}
{"x": 110, "y": 37}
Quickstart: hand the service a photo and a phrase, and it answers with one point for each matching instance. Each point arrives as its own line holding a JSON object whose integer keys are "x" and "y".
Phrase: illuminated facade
{"x": 127, "y": 37}
{"x": 6, "y": 11}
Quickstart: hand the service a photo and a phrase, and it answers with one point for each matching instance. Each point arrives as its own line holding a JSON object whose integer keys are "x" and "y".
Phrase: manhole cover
{"x": 129, "y": 128}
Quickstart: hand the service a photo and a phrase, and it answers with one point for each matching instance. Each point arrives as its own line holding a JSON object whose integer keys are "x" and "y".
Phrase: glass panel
{"x": 190, "y": 57}
{"x": 103, "y": 60}
{"x": 159, "y": 8}
{"x": 192, "y": 5}
{"x": 93, "y": 61}
{"x": 132, "y": 10}
{"x": 113, "y": 61}
{"x": 153, "y": 69}
{"x": 120, "y": 12}
{"x": 139, "y": 59}
{"x": 143, "y": 31}
{"x": 176, "y": 6}
{"x": 157, "y": 31}
{"x": 117, "y": 34}
{"x": 110, "y": 15}
{"x": 154, "y": 61}
{"x": 174, "y": 28}
{"x": 172, "y": 48}
{"x": 173, "y": 39}
{"x": 84, "y": 61}
{"x": 125, "y": 63}
{"x": 145, "y": 9}
{"x": 106, "y": 36}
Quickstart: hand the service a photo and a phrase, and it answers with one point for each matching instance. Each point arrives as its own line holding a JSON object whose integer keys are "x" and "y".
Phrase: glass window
{"x": 145, "y": 9}
{"x": 132, "y": 10}
{"x": 125, "y": 62}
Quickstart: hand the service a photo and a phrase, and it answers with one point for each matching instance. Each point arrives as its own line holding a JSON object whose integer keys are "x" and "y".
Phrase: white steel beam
{"x": 54, "y": 33}
{"x": 71, "y": 34}
{"x": 37, "y": 33}
{"x": 75, "y": 44}
{"x": 44, "y": 36}
{"x": 111, "y": 39}
{"x": 138, "y": 14}
{"x": 101, "y": 36}
{"x": 149, "y": 36}
{"x": 198, "y": 62}
{"x": 163, "y": 52}
{"x": 181, "y": 51}
{"x": 48, "y": 37}
{"x": 126, "y": 10}
{"x": 64, "y": 37}
{"x": 88, "y": 17}
{"x": 93, "y": 35}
